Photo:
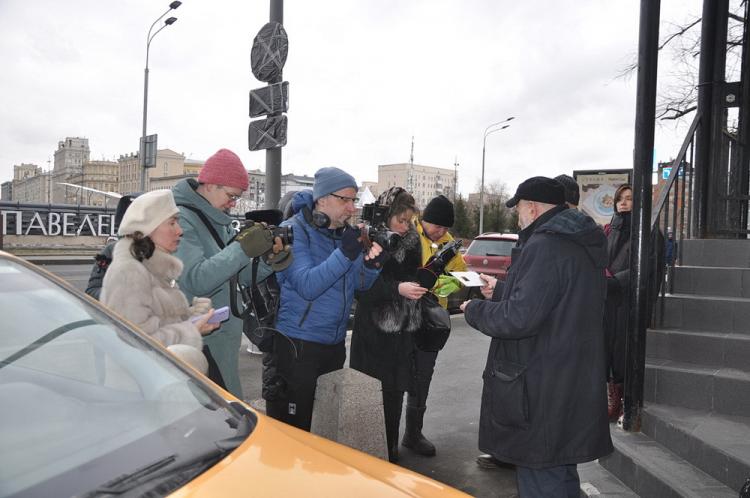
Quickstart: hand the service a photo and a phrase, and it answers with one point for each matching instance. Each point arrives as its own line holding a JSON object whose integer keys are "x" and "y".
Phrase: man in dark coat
{"x": 543, "y": 403}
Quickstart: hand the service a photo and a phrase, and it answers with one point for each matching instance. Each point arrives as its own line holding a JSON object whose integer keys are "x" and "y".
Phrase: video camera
{"x": 440, "y": 259}
{"x": 376, "y": 229}
{"x": 272, "y": 218}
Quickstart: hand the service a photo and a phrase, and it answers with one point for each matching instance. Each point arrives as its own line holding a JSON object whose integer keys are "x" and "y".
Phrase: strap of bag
{"x": 208, "y": 224}
{"x": 234, "y": 280}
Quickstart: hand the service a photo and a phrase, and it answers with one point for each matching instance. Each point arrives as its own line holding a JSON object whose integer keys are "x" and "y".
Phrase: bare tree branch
{"x": 678, "y": 113}
{"x": 678, "y": 33}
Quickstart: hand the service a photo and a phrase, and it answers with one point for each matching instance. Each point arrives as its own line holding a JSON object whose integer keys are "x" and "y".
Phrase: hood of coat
{"x": 185, "y": 193}
{"x": 301, "y": 199}
{"x": 580, "y": 228}
{"x": 162, "y": 265}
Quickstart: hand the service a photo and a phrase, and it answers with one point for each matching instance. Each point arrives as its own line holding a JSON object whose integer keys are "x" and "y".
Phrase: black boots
{"x": 413, "y": 438}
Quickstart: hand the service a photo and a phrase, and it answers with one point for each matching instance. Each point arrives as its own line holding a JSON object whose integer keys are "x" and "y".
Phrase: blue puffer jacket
{"x": 318, "y": 288}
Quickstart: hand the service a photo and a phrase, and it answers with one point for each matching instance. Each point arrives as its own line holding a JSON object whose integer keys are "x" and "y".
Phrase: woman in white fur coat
{"x": 141, "y": 282}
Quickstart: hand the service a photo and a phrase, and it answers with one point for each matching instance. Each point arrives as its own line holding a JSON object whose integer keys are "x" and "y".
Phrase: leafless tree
{"x": 678, "y": 95}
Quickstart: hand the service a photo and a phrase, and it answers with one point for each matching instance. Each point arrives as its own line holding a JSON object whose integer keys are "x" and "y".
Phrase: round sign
{"x": 268, "y": 55}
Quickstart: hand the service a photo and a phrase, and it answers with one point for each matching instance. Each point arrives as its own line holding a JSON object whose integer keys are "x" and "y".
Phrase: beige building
{"x": 171, "y": 167}
{"x": 6, "y": 191}
{"x": 99, "y": 175}
{"x": 70, "y": 156}
{"x": 30, "y": 184}
{"x": 423, "y": 182}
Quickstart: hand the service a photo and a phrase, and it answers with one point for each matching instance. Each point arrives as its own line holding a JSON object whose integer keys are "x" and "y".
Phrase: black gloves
{"x": 378, "y": 261}
{"x": 255, "y": 240}
{"x": 351, "y": 245}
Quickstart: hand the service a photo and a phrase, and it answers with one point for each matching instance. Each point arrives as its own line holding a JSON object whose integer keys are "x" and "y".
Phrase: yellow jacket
{"x": 429, "y": 248}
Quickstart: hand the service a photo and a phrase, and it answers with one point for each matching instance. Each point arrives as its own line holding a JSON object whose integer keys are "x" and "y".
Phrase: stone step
{"x": 712, "y": 281}
{"x": 598, "y": 482}
{"x": 716, "y": 252}
{"x": 714, "y": 349}
{"x": 718, "y": 445}
{"x": 721, "y": 390}
{"x": 704, "y": 313}
{"x": 652, "y": 471}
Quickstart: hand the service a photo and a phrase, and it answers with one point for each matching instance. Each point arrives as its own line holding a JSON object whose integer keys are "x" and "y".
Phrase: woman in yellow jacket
{"x": 433, "y": 227}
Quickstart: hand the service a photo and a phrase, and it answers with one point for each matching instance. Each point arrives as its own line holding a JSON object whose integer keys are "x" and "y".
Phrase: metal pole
{"x": 149, "y": 37}
{"x": 487, "y": 131}
{"x": 635, "y": 350}
{"x": 701, "y": 167}
{"x": 273, "y": 156}
{"x": 143, "y": 134}
{"x": 481, "y": 189}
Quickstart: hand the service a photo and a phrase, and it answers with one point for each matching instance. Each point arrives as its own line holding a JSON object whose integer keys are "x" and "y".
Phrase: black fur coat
{"x": 382, "y": 341}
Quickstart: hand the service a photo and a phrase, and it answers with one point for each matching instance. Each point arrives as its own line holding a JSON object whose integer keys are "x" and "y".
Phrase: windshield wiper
{"x": 120, "y": 484}
{"x": 169, "y": 466}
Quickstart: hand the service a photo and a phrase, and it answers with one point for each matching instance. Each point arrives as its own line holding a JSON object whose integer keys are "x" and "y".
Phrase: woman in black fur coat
{"x": 388, "y": 313}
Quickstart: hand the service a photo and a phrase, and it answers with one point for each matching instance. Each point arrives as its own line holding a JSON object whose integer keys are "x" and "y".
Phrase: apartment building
{"x": 423, "y": 182}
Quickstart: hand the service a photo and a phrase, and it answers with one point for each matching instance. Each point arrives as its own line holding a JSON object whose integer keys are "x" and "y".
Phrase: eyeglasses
{"x": 345, "y": 198}
{"x": 231, "y": 197}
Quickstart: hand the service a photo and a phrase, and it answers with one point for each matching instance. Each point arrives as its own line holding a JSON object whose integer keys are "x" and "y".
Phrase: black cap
{"x": 539, "y": 189}
{"x": 439, "y": 211}
{"x": 572, "y": 190}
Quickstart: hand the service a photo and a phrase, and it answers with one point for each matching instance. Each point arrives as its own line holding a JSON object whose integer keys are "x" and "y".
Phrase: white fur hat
{"x": 190, "y": 355}
{"x": 147, "y": 212}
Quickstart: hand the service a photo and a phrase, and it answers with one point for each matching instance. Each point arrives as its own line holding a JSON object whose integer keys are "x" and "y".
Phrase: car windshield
{"x": 491, "y": 247}
{"x": 87, "y": 403}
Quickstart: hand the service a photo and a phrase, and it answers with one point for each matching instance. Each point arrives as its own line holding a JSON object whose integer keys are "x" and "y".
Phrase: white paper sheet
{"x": 468, "y": 278}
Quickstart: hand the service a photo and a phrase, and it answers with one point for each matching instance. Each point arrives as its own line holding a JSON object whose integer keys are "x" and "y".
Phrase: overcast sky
{"x": 365, "y": 76}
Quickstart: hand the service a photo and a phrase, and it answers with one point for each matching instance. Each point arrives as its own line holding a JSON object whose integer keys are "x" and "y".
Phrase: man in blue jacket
{"x": 330, "y": 263}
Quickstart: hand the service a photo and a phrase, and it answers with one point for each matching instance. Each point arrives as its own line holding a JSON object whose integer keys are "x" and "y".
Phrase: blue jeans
{"x": 551, "y": 482}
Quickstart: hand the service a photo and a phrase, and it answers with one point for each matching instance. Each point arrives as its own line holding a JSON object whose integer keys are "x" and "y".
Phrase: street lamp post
{"x": 487, "y": 131}
{"x": 168, "y": 22}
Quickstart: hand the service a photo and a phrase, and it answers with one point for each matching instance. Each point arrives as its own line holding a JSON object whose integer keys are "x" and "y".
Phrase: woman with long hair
{"x": 389, "y": 313}
{"x": 617, "y": 306}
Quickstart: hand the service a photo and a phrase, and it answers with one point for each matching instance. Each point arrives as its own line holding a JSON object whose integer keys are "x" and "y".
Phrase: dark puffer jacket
{"x": 544, "y": 402}
{"x": 382, "y": 341}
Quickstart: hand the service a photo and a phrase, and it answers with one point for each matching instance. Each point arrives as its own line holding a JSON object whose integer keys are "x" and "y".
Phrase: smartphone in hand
{"x": 220, "y": 315}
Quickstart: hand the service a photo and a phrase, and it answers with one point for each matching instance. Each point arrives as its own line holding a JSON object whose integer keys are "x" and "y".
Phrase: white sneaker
{"x": 253, "y": 349}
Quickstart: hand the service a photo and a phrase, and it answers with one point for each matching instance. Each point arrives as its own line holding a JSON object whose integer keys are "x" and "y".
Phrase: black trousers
{"x": 298, "y": 365}
{"x": 615, "y": 319}
{"x": 392, "y": 405}
{"x": 423, "y": 368}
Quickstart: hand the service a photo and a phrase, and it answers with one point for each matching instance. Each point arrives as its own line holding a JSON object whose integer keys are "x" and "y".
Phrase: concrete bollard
{"x": 348, "y": 409}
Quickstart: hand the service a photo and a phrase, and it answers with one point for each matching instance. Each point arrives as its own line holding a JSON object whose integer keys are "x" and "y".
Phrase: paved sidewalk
{"x": 452, "y": 415}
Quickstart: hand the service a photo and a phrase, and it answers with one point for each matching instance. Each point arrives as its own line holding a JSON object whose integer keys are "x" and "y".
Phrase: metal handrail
{"x": 678, "y": 161}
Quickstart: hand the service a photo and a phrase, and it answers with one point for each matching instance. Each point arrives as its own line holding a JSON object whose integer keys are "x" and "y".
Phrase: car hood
{"x": 280, "y": 460}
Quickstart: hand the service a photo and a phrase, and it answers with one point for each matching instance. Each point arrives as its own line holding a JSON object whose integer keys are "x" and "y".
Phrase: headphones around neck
{"x": 318, "y": 219}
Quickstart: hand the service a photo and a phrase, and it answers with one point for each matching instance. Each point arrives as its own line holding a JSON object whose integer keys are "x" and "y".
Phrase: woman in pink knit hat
{"x": 212, "y": 252}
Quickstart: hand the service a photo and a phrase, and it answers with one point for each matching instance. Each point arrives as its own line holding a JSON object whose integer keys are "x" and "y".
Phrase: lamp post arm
{"x": 487, "y": 131}
{"x": 148, "y": 36}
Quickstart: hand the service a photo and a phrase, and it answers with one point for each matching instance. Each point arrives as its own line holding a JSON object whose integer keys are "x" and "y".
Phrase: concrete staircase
{"x": 695, "y": 438}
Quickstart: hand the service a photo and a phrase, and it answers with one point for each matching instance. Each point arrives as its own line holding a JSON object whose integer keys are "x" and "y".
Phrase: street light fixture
{"x": 488, "y": 131}
{"x": 149, "y": 37}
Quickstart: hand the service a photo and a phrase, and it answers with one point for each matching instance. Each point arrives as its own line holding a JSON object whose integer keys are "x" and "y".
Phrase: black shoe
{"x": 418, "y": 444}
{"x": 490, "y": 462}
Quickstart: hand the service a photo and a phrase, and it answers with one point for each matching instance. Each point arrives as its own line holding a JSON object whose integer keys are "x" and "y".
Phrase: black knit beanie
{"x": 439, "y": 211}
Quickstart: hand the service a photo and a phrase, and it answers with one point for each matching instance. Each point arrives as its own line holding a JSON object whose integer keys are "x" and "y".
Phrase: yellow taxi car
{"x": 89, "y": 406}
